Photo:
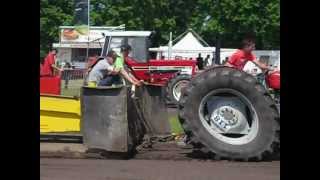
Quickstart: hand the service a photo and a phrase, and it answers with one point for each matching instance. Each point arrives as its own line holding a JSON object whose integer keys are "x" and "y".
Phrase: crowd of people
{"x": 201, "y": 64}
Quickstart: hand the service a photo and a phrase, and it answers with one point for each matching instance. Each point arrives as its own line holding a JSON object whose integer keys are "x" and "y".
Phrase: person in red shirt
{"x": 239, "y": 59}
{"x": 49, "y": 64}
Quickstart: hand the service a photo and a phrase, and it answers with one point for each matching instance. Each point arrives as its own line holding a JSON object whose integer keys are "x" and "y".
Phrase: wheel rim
{"x": 176, "y": 90}
{"x": 231, "y": 117}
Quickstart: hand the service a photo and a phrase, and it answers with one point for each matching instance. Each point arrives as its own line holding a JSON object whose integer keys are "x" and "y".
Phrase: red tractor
{"x": 225, "y": 113}
{"x": 173, "y": 74}
{"x": 271, "y": 81}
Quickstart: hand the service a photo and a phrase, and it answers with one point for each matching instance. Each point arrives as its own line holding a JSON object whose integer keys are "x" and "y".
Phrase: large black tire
{"x": 172, "y": 86}
{"x": 267, "y": 141}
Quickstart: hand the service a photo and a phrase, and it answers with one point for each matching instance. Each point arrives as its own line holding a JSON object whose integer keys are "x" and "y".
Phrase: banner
{"x": 71, "y": 34}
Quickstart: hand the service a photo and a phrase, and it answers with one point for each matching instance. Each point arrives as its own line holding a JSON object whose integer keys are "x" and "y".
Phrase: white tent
{"x": 189, "y": 46}
{"x": 189, "y": 41}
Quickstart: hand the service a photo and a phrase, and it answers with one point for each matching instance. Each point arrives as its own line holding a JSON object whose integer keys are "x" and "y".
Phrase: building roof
{"x": 121, "y": 27}
{"x": 77, "y": 45}
{"x": 129, "y": 33}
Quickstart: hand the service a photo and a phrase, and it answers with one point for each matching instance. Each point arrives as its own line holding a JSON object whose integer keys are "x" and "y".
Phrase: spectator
{"x": 206, "y": 61}
{"x": 213, "y": 61}
{"x": 66, "y": 74}
{"x": 49, "y": 64}
{"x": 225, "y": 61}
{"x": 200, "y": 62}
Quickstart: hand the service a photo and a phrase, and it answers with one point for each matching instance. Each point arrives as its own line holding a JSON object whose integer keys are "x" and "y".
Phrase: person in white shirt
{"x": 101, "y": 69}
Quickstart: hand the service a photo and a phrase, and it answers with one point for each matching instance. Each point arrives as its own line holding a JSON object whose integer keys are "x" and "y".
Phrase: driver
{"x": 239, "y": 59}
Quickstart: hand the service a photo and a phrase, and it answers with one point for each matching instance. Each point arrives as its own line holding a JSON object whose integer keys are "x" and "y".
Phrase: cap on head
{"x": 111, "y": 54}
{"x": 125, "y": 47}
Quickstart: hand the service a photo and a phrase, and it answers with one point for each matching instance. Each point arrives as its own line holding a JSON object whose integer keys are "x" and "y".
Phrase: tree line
{"x": 229, "y": 19}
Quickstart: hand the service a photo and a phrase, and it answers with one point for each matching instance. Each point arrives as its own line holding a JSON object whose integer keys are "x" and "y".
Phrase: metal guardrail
{"x": 71, "y": 81}
{"x": 73, "y": 74}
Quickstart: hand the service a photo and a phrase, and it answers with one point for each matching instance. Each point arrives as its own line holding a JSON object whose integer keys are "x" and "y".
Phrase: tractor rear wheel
{"x": 228, "y": 114}
{"x": 175, "y": 85}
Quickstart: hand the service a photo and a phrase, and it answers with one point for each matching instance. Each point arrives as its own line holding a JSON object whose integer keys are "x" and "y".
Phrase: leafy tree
{"x": 53, "y": 13}
{"x": 229, "y": 18}
{"x": 233, "y": 19}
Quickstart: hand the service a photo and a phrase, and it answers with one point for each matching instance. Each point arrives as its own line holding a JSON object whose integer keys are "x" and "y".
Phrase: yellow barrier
{"x": 59, "y": 114}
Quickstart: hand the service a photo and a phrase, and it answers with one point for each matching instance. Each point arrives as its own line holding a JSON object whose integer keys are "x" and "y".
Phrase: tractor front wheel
{"x": 175, "y": 85}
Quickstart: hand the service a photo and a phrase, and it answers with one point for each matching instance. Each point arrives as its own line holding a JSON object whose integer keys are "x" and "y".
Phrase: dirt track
{"x": 164, "y": 161}
{"x": 89, "y": 169}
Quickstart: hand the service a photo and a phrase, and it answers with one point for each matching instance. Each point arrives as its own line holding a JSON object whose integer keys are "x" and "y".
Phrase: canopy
{"x": 188, "y": 45}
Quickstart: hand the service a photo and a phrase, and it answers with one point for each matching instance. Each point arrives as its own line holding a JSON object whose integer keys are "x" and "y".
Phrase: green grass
{"x": 70, "y": 92}
{"x": 73, "y": 88}
{"x": 175, "y": 125}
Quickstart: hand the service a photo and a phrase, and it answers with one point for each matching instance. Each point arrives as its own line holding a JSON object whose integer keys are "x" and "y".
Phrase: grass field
{"x": 73, "y": 88}
{"x": 175, "y": 125}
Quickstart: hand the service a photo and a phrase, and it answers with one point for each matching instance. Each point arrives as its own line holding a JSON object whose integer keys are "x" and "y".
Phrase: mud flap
{"x": 104, "y": 123}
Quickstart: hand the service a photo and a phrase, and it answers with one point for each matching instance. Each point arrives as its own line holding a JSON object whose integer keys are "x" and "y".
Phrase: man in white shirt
{"x": 101, "y": 69}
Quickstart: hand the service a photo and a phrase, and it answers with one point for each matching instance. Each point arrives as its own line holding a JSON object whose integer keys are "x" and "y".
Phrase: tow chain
{"x": 148, "y": 141}
{"x": 149, "y": 138}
